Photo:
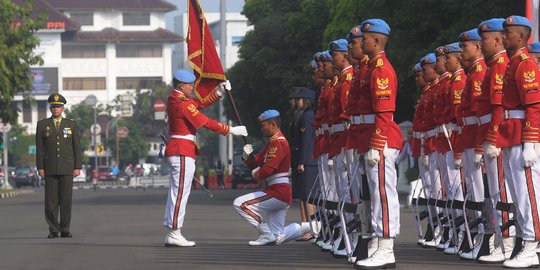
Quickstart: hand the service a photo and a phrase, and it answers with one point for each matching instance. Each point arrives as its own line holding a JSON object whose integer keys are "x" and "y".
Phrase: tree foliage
{"x": 17, "y": 43}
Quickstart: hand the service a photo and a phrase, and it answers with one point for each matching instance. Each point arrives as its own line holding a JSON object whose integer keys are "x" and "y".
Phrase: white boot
{"x": 526, "y": 258}
{"x": 437, "y": 236}
{"x": 174, "y": 238}
{"x": 496, "y": 255}
{"x": 373, "y": 245}
{"x": 383, "y": 257}
{"x": 292, "y": 231}
{"x": 454, "y": 250}
{"x": 477, "y": 242}
{"x": 352, "y": 259}
{"x": 266, "y": 237}
{"x": 335, "y": 245}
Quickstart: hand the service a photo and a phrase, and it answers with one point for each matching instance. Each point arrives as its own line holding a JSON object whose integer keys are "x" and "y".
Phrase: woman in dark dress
{"x": 303, "y": 165}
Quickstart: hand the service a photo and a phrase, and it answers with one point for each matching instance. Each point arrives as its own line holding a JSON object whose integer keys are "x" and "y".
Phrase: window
{"x": 138, "y": 50}
{"x": 83, "y": 51}
{"x": 83, "y": 18}
{"x": 236, "y": 40}
{"x": 139, "y": 18}
{"x": 42, "y": 109}
{"x": 84, "y": 83}
{"x": 137, "y": 82}
{"x": 27, "y": 112}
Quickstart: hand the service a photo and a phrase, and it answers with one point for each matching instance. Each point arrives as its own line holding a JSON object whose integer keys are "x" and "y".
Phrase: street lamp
{"x": 91, "y": 100}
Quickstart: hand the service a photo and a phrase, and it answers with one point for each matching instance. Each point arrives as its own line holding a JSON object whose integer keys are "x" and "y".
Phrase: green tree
{"x": 17, "y": 43}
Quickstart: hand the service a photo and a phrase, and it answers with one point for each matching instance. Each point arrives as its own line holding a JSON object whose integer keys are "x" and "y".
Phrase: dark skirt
{"x": 303, "y": 182}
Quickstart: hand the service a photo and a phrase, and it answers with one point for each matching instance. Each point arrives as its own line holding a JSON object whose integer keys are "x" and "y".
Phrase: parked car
{"x": 104, "y": 174}
{"x": 241, "y": 174}
{"x": 26, "y": 177}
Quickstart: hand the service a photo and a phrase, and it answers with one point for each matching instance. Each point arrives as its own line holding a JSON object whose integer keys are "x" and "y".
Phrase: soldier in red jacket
{"x": 266, "y": 210}
{"x": 184, "y": 120}
{"x": 380, "y": 86}
{"x": 519, "y": 137}
{"x": 489, "y": 113}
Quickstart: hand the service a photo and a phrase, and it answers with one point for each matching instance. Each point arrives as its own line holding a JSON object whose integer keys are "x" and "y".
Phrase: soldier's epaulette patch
{"x": 349, "y": 77}
{"x": 500, "y": 60}
{"x": 458, "y": 78}
{"x": 182, "y": 97}
{"x": 523, "y": 56}
{"x": 380, "y": 63}
{"x": 479, "y": 68}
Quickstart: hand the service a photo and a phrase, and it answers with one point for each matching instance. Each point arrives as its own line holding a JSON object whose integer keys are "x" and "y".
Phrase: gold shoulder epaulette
{"x": 478, "y": 68}
{"x": 380, "y": 63}
{"x": 500, "y": 60}
{"x": 523, "y": 56}
{"x": 349, "y": 77}
{"x": 458, "y": 78}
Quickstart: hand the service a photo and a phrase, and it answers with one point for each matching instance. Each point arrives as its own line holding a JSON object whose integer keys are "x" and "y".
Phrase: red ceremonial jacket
{"x": 520, "y": 92}
{"x": 353, "y": 108}
{"x": 275, "y": 158}
{"x": 428, "y": 123}
{"x": 338, "y": 140}
{"x": 417, "y": 125}
{"x": 184, "y": 119}
{"x": 440, "y": 105}
{"x": 456, "y": 90}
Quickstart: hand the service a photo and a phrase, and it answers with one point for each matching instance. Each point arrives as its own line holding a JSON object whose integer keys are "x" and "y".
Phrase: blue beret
{"x": 491, "y": 25}
{"x": 184, "y": 76}
{"x": 430, "y": 58}
{"x": 355, "y": 32}
{"x": 515, "y": 20}
{"x": 375, "y": 26}
{"x": 304, "y": 92}
{"x": 470, "y": 35}
{"x": 325, "y": 56}
{"x": 339, "y": 45}
{"x": 267, "y": 115}
{"x": 534, "y": 47}
{"x": 417, "y": 68}
{"x": 439, "y": 51}
{"x": 316, "y": 56}
{"x": 313, "y": 64}
{"x": 452, "y": 48}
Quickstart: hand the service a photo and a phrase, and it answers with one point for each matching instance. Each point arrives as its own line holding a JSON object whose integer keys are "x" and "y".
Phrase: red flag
{"x": 203, "y": 57}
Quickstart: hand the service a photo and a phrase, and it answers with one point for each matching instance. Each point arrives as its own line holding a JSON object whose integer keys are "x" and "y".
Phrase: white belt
{"x": 362, "y": 119}
{"x": 450, "y": 126}
{"x": 484, "y": 119}
{"x": 470, "y": 120}
{"x": 430, "y": 133}
{"x": 185, "y": 137}
{"x": 417, "y": 135}
{"x": 278, "y": 178}
{"x": 513, "y": 114}
{"x": 337, "y": 128}
{"x": 325, "y": 127}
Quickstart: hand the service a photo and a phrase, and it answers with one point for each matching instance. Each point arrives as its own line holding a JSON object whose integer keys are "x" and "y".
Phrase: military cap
{"x": 515, "y": 20}
{"x": 491, "y": 25}
{"x": 452, "y": 48}
{"x": 184, "y": 76}
{"x": 313, "y": 64}
{"x": 355, "y": 32}
{"x": 430, "y": 58}
{"x": 534, "y": 47}
{"x": 304, "y": 92}
{"x": 325, "y": 56}
{"x": 316, "y": 56}
{"x": 375, "y": 26}
{"x": 56, "y": 100}
{"x": 338, "y": 45}
{"x": 267, "y": 115}
{"x": 439, "y": 51}
{"x": 293, "y": 92}
{"x": 470, "y": 35}
{"x": 417, "y": 68}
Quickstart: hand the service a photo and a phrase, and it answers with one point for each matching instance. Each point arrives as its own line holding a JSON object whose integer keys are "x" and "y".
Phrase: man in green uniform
{"x": 58, "y": 160}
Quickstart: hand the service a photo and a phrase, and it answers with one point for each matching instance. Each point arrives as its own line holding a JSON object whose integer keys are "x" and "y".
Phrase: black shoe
{"x": 66, "y": 235}
{"x": 52, "y": 235}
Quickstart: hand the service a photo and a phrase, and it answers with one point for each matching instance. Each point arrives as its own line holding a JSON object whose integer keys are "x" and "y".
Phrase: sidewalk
{"x": 4, "y": 194}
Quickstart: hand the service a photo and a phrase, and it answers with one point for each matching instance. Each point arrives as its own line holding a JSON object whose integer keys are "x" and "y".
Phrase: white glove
{"x": 224, "y": 87}
{"x": 458, "y": 162}
{"x": 425, "y": 161}
{"x": 238, "y": 131}
{"x": 529, "y": 154}
{"x": 330, "y": 164}
{"x": 492, "y": 151}
{"x": 478, "y": 160}
{"x": 346, "y": 124}
{"x": 248, "y": 150}
{"x": 373, "y": 157}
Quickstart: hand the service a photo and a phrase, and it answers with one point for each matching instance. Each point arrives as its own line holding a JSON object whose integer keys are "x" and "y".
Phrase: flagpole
{"x": 236, "y": 114}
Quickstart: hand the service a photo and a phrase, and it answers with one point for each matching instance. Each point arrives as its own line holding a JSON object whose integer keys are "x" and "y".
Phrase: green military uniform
{"x": 58, "y": 155}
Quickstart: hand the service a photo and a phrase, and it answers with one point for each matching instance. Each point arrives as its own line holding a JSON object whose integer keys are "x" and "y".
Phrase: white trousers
{"x": 341, "y": 178}
{"x": 182, "y": 171}
{"x": 328, "y": 179}
{"x": 524, "y": 186}
{"x": 498, "y": 189}
{"x": 473, "y": 181}
{"x": 454, "y": 189}
{"x": 259, "y": 207}
{"x": 435, "y": 176}
{"x": 382, "y": 180}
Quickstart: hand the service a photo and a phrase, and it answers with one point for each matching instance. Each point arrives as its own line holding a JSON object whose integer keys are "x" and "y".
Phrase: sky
{"x": 207, "y": 5}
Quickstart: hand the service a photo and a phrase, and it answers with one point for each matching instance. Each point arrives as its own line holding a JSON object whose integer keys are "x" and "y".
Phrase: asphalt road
{"x": 121, "y": 229}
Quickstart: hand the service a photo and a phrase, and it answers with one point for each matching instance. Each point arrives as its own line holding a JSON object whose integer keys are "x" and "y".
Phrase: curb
{"x": 118, "y": 187}
{"x": 11, "y": 194}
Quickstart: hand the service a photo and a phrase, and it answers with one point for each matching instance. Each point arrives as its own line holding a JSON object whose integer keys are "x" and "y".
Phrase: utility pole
{"x": 223, "y": 56}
